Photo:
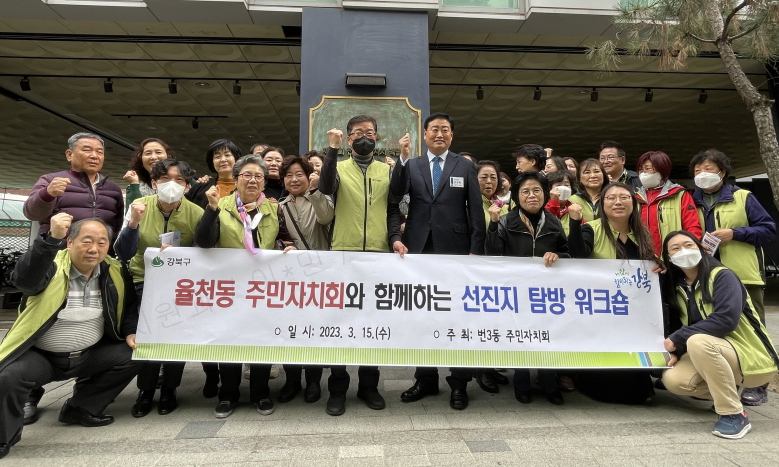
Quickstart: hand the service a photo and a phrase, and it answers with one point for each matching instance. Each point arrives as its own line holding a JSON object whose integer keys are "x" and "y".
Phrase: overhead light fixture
{"x": 202, "y": 84}
{"x": 649, "y": 95}
{"x": 702, "y": 97}
{"x": 195, "y": 123}
{"x": 25, "y": 84}
{"x": 537, "y": 94}
{"x": 108, "y": 85}
{"x": 173, "y": 88}
{"x": 297, "y": 88}
{"x": 594, "y": 95}
{"x": 366, "y": 80}
{"x": 237, "y": 88}
{"x": 480, "y": 94}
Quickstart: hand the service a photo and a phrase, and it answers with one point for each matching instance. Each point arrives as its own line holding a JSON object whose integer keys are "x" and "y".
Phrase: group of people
{"x": 83, "y": 276}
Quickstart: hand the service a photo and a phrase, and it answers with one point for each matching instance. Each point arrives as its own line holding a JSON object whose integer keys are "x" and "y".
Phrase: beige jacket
{"x": 313, "y": 213}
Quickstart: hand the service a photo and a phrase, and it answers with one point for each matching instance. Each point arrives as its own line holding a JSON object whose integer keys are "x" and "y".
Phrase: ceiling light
{"x": 649, "y": 95}
{"x": 202, "y": 84}
{"x": 237, "y": 88}
{"x": 25, "y": 84}
{"x": 151, "y": 127}
{"x": 195, "y": 123}
{"x": 297, "y": 88}
{"x": 108, "y": 85}
{"x": 594, "y": 95}
{"x": 366, "y": 80}
{"x": 537, "y": 94}
{"x": 702, "y": 97}
{"x": 173, "y": 88}
{"x": 584, "y": 91}
{"x": 480, "y": 94}
{"x": 214, "y": 129}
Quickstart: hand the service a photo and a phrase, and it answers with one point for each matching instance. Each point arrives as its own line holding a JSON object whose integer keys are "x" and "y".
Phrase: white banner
{"x": 377, "y": 308}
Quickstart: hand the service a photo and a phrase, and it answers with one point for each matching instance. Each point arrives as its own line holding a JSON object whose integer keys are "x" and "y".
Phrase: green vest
{"x": 750, "y": 338}
{"x": 739, "y": 257}
{"x": 41, "y": 308}
{"x": 602, "y": 248}
{"x": 231, "y": 226}
{"x": 361, "y": 207}
{"x": 486, "y": 203}
{"x": 183, "y": 219}
{"x": 669, "y": 218}
{"x": 588, "y": 214}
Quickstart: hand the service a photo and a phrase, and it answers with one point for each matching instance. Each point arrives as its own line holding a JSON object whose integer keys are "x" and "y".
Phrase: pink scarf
{"x": 248, "y": 237}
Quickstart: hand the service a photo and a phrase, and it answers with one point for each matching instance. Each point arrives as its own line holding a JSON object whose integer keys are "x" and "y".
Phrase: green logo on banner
{"x": 157, "y": 262}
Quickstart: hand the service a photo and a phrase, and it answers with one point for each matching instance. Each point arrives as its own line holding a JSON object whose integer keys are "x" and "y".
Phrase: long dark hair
{"x": 643, "y": 238}
{"x": 136, "y": 162}
{"x": 675, "y": 274}
{"x": 586, "y": 164}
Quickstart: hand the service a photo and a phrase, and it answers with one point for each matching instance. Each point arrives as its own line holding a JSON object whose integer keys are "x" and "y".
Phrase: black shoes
{"x": 418, "y": 391}
{"x": 143, "y": 403}
{"x": 70, "y": 414}
{"x": 458, "y": 399}
{"x": 555, "y": 398}
{"x": 224, "y": 409}
{"x": 313, "y": 392}
{"x": 289, "y": 391}
{"x": 372, "y": 399}
{"x": 30, "y": 413}
{"x": 336, "y": 404}
{"x": 168, "y": 402}
{"x": 6, "y": 448}
{"x": 523, "y": 396}
{"x": 265, "y": 406}
{"x": 486, "y": 382}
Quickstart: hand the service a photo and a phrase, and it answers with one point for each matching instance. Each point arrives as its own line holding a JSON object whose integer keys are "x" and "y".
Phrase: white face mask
{"x": 706, "y": 180}
{"x": 170, "y": 192}
{"x": 687, "y": 258}
{"x": 565, "y": 192}
{"x": 650, "y": 180}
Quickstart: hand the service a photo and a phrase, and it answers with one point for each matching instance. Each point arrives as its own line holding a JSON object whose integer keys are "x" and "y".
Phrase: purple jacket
{"x": 78, "y": 200}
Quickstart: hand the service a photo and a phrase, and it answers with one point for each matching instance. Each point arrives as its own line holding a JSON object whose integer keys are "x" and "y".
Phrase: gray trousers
{"x": 101, "y": 373}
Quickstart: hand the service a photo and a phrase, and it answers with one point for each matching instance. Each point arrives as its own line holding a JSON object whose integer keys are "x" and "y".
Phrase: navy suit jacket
{"x": 454, "y": 215}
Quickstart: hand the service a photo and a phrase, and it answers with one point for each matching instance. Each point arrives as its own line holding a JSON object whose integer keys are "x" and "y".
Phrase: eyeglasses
{"x": 610, "y": 158}
{"x": 534, "y": 192}
{"x": 359, "y": 134}
{"x": 248, "y": 177}
{"x": 622, "y": 198}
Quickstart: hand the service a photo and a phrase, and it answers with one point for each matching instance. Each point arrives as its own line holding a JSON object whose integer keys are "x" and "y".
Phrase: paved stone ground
{"x": 494, "y": 430}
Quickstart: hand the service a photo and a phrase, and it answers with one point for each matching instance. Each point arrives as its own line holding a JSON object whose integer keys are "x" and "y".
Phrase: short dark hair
{"x": 559, "y": 176}
{"x": 486, "y": 163}
{"x": 75, "y": 229}
{"x": 612, "y": 144}
{"x": 532, "y": 152}
{"x": 437, "y": 115}
{"x": 257, "y": 145}
{"x": 361, "y": 119}
{"x": 289, "y": 161}
{"x": 526, "y": 176}
{"x": 558, "y": 162}
{"x": 136, "y": 161}
{"x": 586, "y": 164}
{"x": 161, "y": 168}
{"x": 219, "y": 145}
{"x": 716, "y": 157}
{"x": 272, "y": 149}
{"x": 314, "y": 153}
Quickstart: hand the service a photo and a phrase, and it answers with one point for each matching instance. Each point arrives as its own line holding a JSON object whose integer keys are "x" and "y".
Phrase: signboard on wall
{"x": 395, "y": 116}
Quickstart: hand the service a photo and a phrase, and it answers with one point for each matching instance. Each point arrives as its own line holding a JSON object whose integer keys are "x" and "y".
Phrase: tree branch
{"x": 743, "y": 33}
{"x": 733, "y": 13}
{"x": 710, "y": 41}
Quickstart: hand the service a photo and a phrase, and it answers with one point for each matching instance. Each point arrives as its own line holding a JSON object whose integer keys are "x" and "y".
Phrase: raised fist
{"x": 57, "y": 186}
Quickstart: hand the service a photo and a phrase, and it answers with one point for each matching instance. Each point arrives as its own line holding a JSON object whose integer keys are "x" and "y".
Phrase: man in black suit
{"x": 445, "y": 217}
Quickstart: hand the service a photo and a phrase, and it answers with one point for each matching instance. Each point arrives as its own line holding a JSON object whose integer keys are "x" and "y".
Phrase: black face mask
{"x": 363, "y": 146}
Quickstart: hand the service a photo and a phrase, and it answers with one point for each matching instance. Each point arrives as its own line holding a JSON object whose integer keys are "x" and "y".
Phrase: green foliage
{"x": 674, "y": 30}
